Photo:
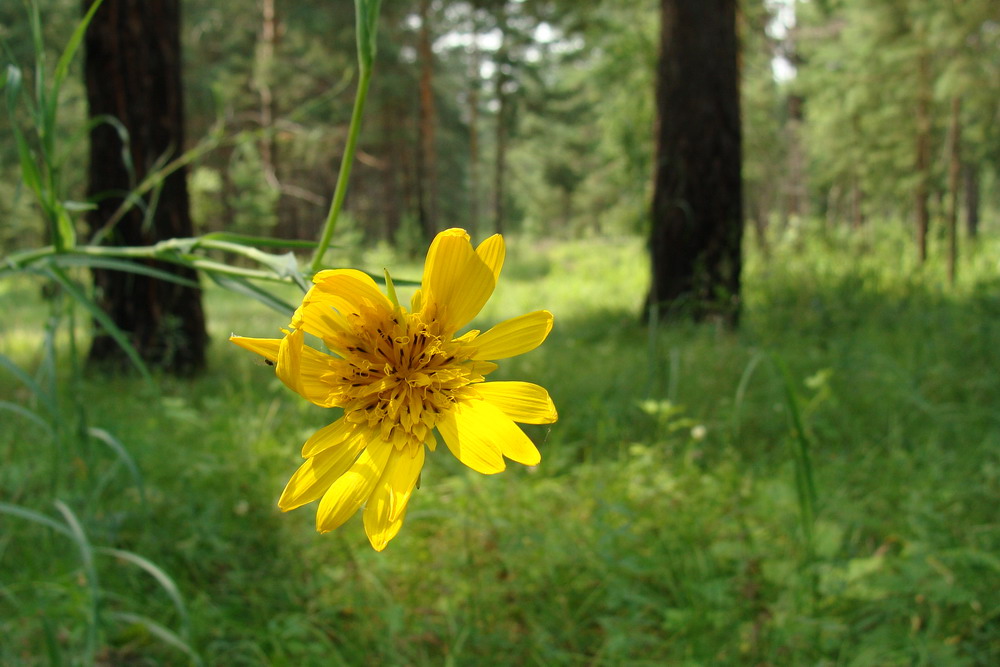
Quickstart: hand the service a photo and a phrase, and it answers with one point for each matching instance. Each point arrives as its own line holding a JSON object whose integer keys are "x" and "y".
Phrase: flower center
{"x": 398, "y": 375}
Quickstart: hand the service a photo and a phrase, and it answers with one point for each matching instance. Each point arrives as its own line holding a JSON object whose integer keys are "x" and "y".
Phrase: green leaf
{"x": 246, "y": 288}
{"x": 265, "y": 241}
{"x": 161, "y": 632}
{"x": 48, "y": 401}
{"x": 102, "y": 318}
{"x": 62, "y": 67}
{"x": 119, "y": 449}
{"x": 115, "y": 264}
{"x": 66, "y": 238}
{"x": 162, "y": 578}
{"x": 35, "y": 517}
{"x": 29, "y": 415}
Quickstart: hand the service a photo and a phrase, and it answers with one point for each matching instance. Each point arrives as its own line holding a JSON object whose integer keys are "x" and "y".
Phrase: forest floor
{"x": 820, "y": 487}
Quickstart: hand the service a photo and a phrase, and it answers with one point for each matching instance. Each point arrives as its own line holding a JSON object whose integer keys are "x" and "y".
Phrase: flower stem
{"x": 345, "y": 168}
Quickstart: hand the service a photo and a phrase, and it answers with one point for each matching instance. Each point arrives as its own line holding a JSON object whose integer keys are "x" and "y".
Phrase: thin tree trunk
{"x": 500, "y": 165}
{"x": 795, "y": 199}
{"x": 474, "y": 83}
{"x": 857, "y": 201}
{"x": 500, "y": 80}
{"x": 697, "y": 199}
{"x": 971, "y": 178}
{"x": 923, "y": 158}
{"x": 262, "y": 78}
{"x": 954, "y": 172}
{"x": 133, "y": 72}
{"x": 427, "y": 181}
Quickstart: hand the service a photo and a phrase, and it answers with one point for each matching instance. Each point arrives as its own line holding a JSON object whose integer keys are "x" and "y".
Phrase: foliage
{"x": 818, "y": 488}
{"x": 662, "y": 526}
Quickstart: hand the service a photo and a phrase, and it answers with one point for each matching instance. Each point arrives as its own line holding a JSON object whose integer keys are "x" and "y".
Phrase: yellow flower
{"x": 400, "y": 375}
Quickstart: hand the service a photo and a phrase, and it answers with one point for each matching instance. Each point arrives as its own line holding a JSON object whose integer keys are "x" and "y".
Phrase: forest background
{"x": 819, "y": 486}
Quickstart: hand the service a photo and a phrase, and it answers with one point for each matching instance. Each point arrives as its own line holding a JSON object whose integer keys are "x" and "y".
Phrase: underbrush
{"x": 818, "y": 488}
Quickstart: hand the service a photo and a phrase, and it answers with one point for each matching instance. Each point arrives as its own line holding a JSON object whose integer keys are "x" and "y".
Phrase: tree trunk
{"x": 697, "y": 224}
{"x": 133, "y": 63}
{"x": 262, "y": 79}
{"x": 923, "y": 160}
{"x": 857, "y": 204}
{"x": 427, "y": 164}
{"x": 954, "y": 172}
{"x": 796, "y": 196}
{"x": 971, "y": 178}
{"x": 474, "y": 83}
{"x": 500, "y": 93}
{"x": 500, "y": 164}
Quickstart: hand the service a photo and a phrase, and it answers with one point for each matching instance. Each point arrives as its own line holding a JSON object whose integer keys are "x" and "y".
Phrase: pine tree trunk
{"x": 923, "y": 160}
{"x": 500, "y": 81}
{"x": 133, "y": 73}
{"x": 971, "y": 178}
{"x": 954, "y": 172}
{"x": 500, "y": 163}
{"x": 426, "y": 180}
{"x": 697, "y": 200}
{"x": 796, "y": 197}
{"x": 474, "y": 82}
{"x": 857, "y": 204}
{"x": 262, "y": 78}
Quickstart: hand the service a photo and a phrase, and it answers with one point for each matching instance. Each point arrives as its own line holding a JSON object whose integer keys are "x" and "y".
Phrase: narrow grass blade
{"x": 29, "y": 415}
{"x": 119, "y": 449}
{"x": 36, "y": 517}
{"x": 741, "y": 391}
{"x": 258, "y": 241}
{"x": 805, "y": 485}
{"x": 162, "y": 578}
{"x": 162, "y": 633}
{"x": 79, "y": 536}
{"x": 47, "y": 401}
{"x": 246, "y": 288}
{"x": 89, "y": 261}
{"x": 102, "y": 318}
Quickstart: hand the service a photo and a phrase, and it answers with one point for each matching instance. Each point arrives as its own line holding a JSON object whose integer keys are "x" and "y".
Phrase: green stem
{"x": 345, "y": 168}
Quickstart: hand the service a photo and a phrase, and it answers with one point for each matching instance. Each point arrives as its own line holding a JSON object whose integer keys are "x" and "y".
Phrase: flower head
{"x": 400, "y": 376}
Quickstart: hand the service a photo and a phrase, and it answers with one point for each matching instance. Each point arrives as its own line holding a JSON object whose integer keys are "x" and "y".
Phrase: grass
{"x": 664, "y": 525}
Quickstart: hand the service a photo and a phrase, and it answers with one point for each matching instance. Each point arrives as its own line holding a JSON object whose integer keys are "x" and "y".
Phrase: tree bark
{"x": 954, "y": 173}
{"x": 426, "y": 180}
{"x": 501, "y": 80}
{"x": 475, "y": 80}
{"x": 697, "y": 216}
{"x": 923, "y": 159}
{"x": 971, "y": 178}
{"x": 133, "y": 73}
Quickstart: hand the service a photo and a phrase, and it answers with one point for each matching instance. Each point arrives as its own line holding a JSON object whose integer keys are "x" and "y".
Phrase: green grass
{"x": 663, "y": 526}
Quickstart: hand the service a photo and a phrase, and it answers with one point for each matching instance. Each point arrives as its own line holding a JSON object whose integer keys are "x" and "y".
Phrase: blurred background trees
{"x": 537, "y": 116}
{"x": 136, "y": 109}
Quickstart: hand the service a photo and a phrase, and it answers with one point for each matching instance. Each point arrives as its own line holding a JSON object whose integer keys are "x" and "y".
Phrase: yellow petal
{"x": 457, "y": 281}
{"x": 521, "y": 401}
{"x": 492, "y": 251}
{"x": 484, "y": 420}
{"x": 344, "y": 291}
{"x": 302, "y": 368}
{"x": 328, "y": 436}
{"x": 318, "y": 473}
{"x": 388, "y": 502}
{"x": 265, "y": 347}
{"x": 474, "y": 443}
{"x": 353, "y": 488}
{"x": 515, "y": 336}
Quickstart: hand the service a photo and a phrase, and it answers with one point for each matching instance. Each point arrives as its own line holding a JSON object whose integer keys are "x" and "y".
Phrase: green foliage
{"x": 664, "y": 524}
{"x": 862, "y": 132}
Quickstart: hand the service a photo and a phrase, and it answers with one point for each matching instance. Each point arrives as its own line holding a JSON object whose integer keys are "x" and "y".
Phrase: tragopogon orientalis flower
{"x": 400, "y": 375}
